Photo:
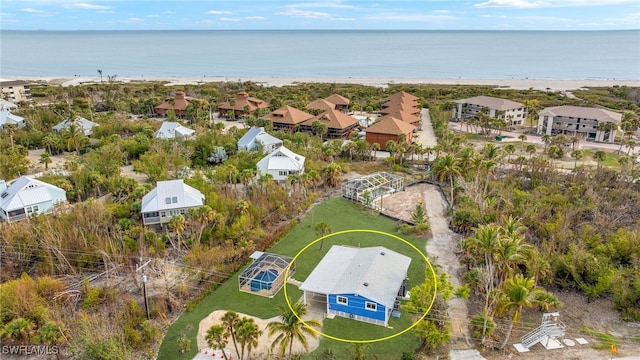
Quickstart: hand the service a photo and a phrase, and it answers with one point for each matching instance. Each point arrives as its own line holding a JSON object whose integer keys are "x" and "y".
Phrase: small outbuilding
{"x": 266, "y": 275}
{"x": 369, "y": 189}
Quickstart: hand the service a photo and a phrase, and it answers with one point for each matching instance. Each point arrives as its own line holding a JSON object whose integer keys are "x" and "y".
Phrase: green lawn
{"x": 341, "y": 215}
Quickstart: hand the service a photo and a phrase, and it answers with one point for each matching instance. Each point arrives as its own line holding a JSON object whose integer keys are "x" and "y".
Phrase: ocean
{"x": 324, "y": 54}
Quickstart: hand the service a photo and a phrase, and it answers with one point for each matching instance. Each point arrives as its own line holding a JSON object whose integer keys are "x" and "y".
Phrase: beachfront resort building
{"x": 241, "y": 106}
{"x": 332, "y": 102}
{"x": 339, "y": 125}
{"x": 363, "y": 284}
{"x": 281, "y": 163}
{"x": 403, "y": 106}
{"x": 594, "y": 123}
{"x": 514, "y": 113}
{"x": 287, "y": 117}
{"x": 16, "y": 91}
{"x": 178, "y": 105}
{"x": 169, "y": 198}
{"x": 256, "y": 137}
{"x": 28, "y": 197}
{"x": 389, "y": 128}
{"x": 173, "y": 130}
{"x": 86, "y": 126}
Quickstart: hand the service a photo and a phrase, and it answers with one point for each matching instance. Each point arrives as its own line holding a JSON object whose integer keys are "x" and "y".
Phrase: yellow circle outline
{"x": 435, "y": 285}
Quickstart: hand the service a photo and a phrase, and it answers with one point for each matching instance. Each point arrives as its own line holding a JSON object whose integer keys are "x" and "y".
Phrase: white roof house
{"x": 7, "y": 118}
{"x": 374, "y": 273}
{"x": 281, "y": 163}
{"x": 27, "y": 196}
{"x": 169, "y": 198}
{"x": 255, "y": 136}
{"x": 86, "y": 125}
{"x": 7, "y": 105}
{"x": 173, "y": 130}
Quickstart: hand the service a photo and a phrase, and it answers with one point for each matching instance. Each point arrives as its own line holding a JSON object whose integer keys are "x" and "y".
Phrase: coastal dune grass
{"x": 341, "y": 215}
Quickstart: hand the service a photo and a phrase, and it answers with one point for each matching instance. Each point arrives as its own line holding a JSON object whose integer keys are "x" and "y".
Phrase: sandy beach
{"x": 518, "y": 84}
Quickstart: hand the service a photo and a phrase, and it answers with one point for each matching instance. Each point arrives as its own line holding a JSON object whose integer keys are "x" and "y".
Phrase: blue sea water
{"x": 324, "y": 54}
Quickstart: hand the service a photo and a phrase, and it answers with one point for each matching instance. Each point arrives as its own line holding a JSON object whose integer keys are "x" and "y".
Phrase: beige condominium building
{"x": 579, "y": 120}
{"x": 513, "y": 112}
{"x": 16, "y": 91}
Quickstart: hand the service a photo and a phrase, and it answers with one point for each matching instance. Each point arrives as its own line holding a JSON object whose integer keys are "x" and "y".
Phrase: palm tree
{"x": 446, "y": 167}
{"x": 522, "y": 138}
{"x": 531, "y": 149}
{"x": 231, "y": 320}
{"x": 247, "y": 334}
{"x": 178, "y": 223}
{"x": 599, "y": 156}
{"x": 577, "y": 155}
{"x": 291, "y": 328}
{"x": 518, "y": 293}
{"x": 375, "y": 147}
{"x": 45, "y": 158}
{"x": 322, "y": 228}
{"x": 332, "y": 173}
{"x": 217, "y": 339}
{"x": 74, "y": 136}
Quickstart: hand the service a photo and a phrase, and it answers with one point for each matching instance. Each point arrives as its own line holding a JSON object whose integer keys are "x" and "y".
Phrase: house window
{"x": 371, "y": 306}
{"x": 283, "y": 173}
{"x": 163, "y": 213}
{"x": 182, "y": 212}
{"x": 167, "y": 200}
{"x": 174, "y": 199}
{"x": 35, "y": 208}
{"x": 342, "y": 300}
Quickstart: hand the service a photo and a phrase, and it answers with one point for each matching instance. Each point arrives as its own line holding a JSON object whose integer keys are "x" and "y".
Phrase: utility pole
{"x": 144, "y": 286}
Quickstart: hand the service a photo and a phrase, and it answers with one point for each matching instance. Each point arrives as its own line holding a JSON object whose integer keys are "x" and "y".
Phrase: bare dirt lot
{"x": 599, "y": 314}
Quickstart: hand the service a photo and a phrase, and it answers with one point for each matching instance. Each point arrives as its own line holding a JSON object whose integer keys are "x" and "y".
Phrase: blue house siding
{"x": 356, "y": 306}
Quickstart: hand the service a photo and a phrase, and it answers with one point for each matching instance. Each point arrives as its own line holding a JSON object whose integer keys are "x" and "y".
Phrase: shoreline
{"x": 515, "y": 84}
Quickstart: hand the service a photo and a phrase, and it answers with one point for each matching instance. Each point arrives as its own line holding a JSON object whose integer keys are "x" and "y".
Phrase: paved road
{"x": 537, "y": 139}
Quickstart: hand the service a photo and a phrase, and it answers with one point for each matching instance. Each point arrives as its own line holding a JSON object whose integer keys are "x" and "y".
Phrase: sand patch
{"x": 264, "y": 341}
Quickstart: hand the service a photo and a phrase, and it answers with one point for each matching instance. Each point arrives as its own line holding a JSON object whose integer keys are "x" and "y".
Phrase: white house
{"x": 7, "y": 105}
{"x": 578, "y": 119}
{"x": 513, "y": 112}
{"x": 174, "y": 130}
{"x": 257, "y": 136}
{"x": 281, "y": 163}
{"x": 7, "y": 118}
{"x": 27, "y": 196}
{"x": 80, "y": 122}
{"x": 169, "y": 198}
{"x": 358, "y": 283}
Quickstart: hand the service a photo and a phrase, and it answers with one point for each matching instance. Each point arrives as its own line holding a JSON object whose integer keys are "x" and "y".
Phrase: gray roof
{"x": 169, "y": 130}
{"x": 4, "y": 105}
{"x": 491, "y": 102}
{"x": 259, "y": 135}
{"x": 26, "y": 191}
{"x": 346, "y": 270}
{"x": 7, "y": 117}
{"x": 162, "y": 197}
{"x": 582, "y": 112}
{"x": 86, "y": 125}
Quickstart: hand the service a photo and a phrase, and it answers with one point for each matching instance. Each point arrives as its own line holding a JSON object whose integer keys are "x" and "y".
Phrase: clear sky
{"x": 320, "y": 14}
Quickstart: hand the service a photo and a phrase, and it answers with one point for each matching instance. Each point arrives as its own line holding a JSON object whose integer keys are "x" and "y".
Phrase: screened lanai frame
{"x": 368, "y": 189}
{"x": 266, "y": 262}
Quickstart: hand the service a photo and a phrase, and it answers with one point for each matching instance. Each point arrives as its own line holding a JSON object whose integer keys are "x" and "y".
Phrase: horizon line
{"x": 302, "y": 30}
